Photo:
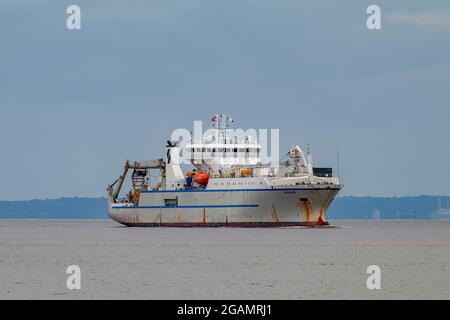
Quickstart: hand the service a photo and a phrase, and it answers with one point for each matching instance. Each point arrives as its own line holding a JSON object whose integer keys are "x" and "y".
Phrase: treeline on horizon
{"x": 350, "y": 207}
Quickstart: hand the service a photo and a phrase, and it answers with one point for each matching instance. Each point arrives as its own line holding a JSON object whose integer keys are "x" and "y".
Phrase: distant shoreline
{"x": 343, "y": 208}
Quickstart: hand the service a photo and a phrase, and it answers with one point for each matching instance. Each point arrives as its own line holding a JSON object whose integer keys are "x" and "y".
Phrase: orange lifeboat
{"x": 201, "y": 178}
{"x": 246, "y": 172}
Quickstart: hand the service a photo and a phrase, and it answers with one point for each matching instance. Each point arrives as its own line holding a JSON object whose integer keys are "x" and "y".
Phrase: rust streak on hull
{"x": 275, "y": 214}
{"x": 307, "y": 210}
{"x": 321, "y": 221}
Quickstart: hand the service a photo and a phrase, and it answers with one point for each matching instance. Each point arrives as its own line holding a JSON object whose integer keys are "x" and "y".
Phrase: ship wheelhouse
{"x": 215, "y": 157}
{"x": 223, "y": 148}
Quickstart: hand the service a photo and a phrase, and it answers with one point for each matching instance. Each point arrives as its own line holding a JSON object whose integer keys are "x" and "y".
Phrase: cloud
{"x": 423, "y": 18}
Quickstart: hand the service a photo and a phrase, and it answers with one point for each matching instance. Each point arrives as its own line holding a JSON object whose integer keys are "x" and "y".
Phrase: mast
{"x": 221, "y": 122}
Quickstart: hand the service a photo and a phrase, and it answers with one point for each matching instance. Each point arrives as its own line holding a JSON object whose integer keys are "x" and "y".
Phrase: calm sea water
{"x": 224, "y": 263}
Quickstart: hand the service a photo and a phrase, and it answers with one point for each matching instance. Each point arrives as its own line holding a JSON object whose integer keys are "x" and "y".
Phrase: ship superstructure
{"x": 229, "y": 186}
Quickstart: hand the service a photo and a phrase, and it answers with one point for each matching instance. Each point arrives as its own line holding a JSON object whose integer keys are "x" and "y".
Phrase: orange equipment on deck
{"x": 246, "y": 172}
{"x": 201, "y": 178}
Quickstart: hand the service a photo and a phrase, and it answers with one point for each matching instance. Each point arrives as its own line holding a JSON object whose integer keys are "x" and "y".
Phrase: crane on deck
{"x": 139, "y": 173}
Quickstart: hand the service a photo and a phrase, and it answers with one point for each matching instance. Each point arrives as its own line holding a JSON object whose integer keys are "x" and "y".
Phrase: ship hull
{"x": 227, "y": 208}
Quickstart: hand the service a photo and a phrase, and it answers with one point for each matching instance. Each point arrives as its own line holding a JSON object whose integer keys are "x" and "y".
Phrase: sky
{"x": 74, "y": 104}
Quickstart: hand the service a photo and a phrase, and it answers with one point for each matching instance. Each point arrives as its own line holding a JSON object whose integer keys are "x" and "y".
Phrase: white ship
{"x": 228, "y": 187}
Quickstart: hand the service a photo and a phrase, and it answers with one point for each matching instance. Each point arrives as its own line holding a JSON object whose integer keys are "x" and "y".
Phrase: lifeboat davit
{"x": 201, "y": 178}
